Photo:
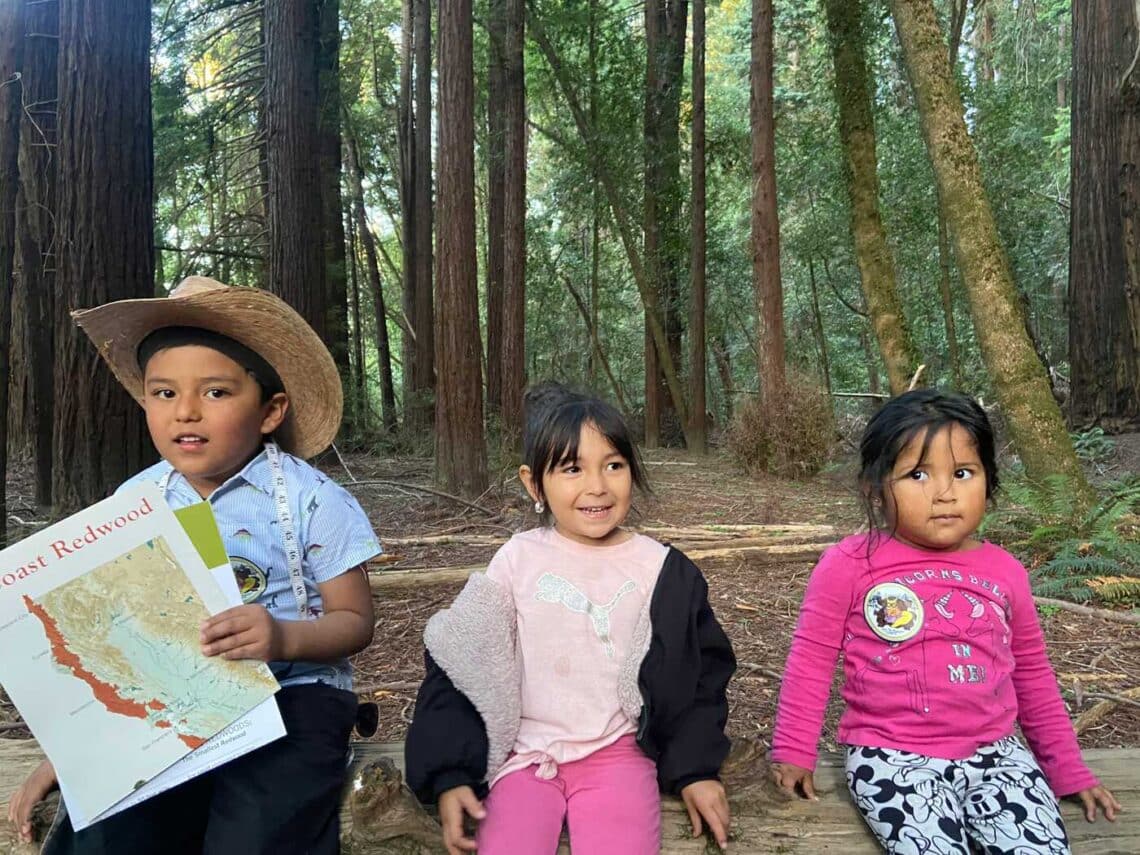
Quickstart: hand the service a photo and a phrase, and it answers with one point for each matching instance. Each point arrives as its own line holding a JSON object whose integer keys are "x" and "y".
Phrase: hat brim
{"x": 259, "y": 320}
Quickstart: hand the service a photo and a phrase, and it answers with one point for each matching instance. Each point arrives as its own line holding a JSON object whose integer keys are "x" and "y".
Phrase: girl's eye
{"x": 917, "y": 475}
{"x": 616, "y": 465}
{"x": 963, "y": 474}
{"x": 571, "y": 469}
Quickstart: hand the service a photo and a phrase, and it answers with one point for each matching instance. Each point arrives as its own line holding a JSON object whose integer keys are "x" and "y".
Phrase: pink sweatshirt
{"x": 942, "y": 653}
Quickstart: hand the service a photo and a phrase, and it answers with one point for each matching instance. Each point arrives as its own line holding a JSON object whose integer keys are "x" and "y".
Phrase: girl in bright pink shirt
{"x": 942, "y": 655}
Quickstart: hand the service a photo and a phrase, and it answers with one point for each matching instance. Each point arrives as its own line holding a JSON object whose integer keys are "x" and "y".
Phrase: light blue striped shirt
{"x": 332, "y": 530}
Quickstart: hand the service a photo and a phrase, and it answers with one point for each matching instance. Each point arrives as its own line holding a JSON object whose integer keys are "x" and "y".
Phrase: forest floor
{"x": 755, "y": 589}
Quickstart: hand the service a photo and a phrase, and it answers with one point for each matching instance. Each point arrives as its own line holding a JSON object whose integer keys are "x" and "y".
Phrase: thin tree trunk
{"x": 765, "y": 224}
{"x": 407, "y": 153}
{"x": 698, "y": 427}
{"x": 35, "y": 227}
{"x": 460, "y": 449}
{"x": 596, "y": 344}
{"x": 957, "y": 21}
{"x": 105, "y": 232}
{"x": 359, "y": 374}
{"x": 513, "y": 347}
{"x": 11, "y": 61}
{"x": 595, "y": 202}
{"x": 984, "y": 38}
{"x": 857, "y": 132}
{"x": 723, "y": 360}
{"x": 496, "y": 196}
{"x": 421, "y": 407}
{"x": 383, "y": 348}
{"x": 817, "y": 327}
{"x": 292, "y": 108}
{"x": 1020, "y": 383}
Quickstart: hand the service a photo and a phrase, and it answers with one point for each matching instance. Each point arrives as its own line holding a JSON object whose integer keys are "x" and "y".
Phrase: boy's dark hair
{"x": 255, "y": 365}
{"x": 554, "y": 416}
{"x": 900, "y": 420}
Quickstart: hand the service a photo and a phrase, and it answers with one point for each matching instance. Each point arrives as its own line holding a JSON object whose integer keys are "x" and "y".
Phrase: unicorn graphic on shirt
{"x": 555, "y": 589}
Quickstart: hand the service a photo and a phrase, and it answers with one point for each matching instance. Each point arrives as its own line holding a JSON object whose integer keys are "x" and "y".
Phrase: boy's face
{"x": 205, "y": 414}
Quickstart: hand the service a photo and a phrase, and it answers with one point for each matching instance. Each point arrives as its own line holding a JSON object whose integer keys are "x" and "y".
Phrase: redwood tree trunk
{"x": 697, "y": 406}
{"x": 765, "y": 220}
{"x": 460, "y": 450}
{"x": 1019, "y": 379}
{"x": 513, "y": 346}
{"x": 1104, "y": 243}
{"x": 292, "y": 108}
{"x": 421, "y": 407}
{"x": 496, "y": 196}
{"x": 407, "y": 197}
{"x": 105, "y": 232}
{"x": 857, "y": 132}
{"x": 35, "y": 228}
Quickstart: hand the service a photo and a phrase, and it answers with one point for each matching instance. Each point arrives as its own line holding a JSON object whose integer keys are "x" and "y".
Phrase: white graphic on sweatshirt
{"x": 555, "y": 589}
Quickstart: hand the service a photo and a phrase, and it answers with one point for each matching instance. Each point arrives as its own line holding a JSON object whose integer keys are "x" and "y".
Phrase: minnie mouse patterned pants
{"x": 998, "y": 799}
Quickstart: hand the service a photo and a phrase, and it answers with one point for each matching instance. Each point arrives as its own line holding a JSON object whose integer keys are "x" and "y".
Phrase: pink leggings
{"x": 609, "y": 801}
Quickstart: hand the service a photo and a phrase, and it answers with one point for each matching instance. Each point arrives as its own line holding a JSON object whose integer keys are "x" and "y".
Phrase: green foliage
{"x": 1092, "y": 446}
{"x": 1077, "y": 556}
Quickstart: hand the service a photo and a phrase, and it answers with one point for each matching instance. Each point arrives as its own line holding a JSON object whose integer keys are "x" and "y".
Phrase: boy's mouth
{"x": 189, "y": 440}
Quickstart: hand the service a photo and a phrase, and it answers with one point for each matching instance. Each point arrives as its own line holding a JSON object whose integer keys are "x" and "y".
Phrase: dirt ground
{"x": 755, "y": 599}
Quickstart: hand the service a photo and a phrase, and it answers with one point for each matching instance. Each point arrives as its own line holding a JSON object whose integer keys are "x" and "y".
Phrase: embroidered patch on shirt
{"x": 251, "y": 579}
{"x": 555, "y": 589}
{"x": 893, "y": 611}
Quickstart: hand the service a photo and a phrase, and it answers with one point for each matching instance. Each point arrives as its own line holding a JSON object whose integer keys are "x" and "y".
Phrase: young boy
{"x": 237, "y": 390}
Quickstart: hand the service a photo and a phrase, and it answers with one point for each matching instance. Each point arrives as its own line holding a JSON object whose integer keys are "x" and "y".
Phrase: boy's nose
{"x": 186, "y": 411}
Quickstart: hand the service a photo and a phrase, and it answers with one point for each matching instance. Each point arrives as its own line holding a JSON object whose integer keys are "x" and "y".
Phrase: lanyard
{"x": 284, "y": 523}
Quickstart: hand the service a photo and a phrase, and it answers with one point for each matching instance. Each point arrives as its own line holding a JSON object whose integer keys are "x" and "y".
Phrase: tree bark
{"x": 513, "y": 347}
{"x": 698, "y": 427}
{"x": 359, "y": 375}
{"x": 292, "y": 108}
{"x": 817, "y": 327}
{"x": 460, "y": 450}
{"x": 765, "y": 223}
{"x": 332, "y": 235}
{"x": 857, "y": 132}
{"x": 496, "y": 195}
{"x": 11, "y": 63}
{"x": 105, "y": 233}
{"x": 419, "y": 410}
{"x": 1020, "y": 383}
{"x": 35, "y": 228}
{"x": 1104, "y": 236}
{"x": 407, "y": 153}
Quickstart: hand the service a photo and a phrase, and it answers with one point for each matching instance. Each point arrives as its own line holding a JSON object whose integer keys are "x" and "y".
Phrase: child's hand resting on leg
{"x": 453, "y": 804}
{"x": 707, "y": 800}
{"x": 37, "y": 785}
{"x": 796, "y": 781}
{"x": 243, "y": 632}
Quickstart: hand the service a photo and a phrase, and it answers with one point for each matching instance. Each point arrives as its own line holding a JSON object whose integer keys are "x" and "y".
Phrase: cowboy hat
{"x": 264, "y": 323}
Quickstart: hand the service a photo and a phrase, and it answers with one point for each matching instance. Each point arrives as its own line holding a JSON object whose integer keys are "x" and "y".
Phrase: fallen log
{"x": 380, "y": 817}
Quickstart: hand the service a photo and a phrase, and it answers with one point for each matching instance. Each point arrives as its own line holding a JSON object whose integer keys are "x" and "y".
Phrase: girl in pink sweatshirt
{"x": 942, "y": 655}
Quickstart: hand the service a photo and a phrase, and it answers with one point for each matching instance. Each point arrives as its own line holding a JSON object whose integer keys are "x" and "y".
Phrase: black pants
{"x": 281, "y": 799}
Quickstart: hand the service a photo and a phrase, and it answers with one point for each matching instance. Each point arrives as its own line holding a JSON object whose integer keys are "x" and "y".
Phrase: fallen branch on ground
{"x": 1089, "y": 611}
{"x": 1093, "y": 716}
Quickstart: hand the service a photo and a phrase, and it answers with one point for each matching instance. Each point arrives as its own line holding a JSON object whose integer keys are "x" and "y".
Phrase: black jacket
{"x": 682, "y": 681}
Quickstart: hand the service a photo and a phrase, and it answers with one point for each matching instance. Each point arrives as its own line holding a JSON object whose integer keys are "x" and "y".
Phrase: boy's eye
{"x": 215, "y": 394}
{"x": 164, "y": 394}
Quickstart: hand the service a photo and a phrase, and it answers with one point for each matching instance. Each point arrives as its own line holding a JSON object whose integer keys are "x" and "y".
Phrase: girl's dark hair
{"x": 900, "y": 420}
{"x": 554, "y": 416}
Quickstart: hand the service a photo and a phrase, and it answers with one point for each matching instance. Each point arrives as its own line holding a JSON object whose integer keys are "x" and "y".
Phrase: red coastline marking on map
{"x": 105, "y": 693}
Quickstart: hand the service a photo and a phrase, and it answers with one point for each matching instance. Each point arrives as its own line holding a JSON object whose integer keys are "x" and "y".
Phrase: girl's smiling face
{"x": 589, "y": 496}
{"x": 936, "y": 500}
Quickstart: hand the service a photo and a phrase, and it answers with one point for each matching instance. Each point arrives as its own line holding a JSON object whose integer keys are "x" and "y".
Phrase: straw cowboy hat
{"x": 262, "y": 322}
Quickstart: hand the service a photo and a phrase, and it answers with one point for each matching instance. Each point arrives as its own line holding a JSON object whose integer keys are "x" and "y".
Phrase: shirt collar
{"x": 256, "y": 473}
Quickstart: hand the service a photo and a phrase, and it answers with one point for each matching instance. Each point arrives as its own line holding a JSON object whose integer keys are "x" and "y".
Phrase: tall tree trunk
{"x": 817, "y": 327}
{"x": 332, "y": 233}
{"x": 513, "y": 347}
{"x": 359, "y": 373}
{"x": 665, "y": 24}
{"x": 765, "y": 223}
{"x": 1020, "y": 382}
{"x": 105, "y": 232}
{"x": 698, "y": 427}
{"x": 496, "y": 196}
{"x": 35, "y": 228}
{"x": 595, "y": 190}
{"x": 292, "y": 109}
{"x": 11, "y": 61}
{"x": 984, "y": 38}
{"x": 407, "y": 150}
{"x": 957, "y": 21}
{"x": 857, "y": 132}
{"x": 723, "y": 359}
{"x": 368, "y": 241}
{"x": 460, "y": 449}
{"x": 419, "y": 410}
{"x": 1104, "y": 240}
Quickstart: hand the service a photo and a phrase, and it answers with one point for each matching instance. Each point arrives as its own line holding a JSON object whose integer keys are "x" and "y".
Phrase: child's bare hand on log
{"x": 1101, "y": 796}
{"x": 453, "y": 804}
{"x": 37, "y": 785}
{"x": 796, "y": 781}
{"x": 707, "y": 800}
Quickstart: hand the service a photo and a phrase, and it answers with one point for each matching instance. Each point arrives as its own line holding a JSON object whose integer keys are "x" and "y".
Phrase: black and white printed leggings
{"x": 998, "y": 799}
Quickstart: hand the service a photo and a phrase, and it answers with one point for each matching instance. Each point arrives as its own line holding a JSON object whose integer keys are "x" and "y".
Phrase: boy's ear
{"x": 275, "y": 409}
{"x": 528, "y": 481}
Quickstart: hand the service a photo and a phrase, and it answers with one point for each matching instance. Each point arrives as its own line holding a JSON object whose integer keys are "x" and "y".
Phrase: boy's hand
{"x": 795, "y": 781}
{"x": 37, "y": 785}
{"x": 243, "y": 632}
{"x": 453, "y": 804}
{"x": 707, "y": 800}
{"x": 1102, "y": 796}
